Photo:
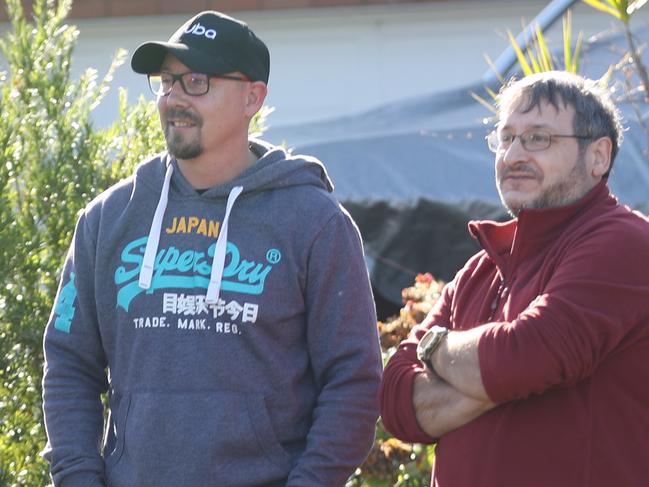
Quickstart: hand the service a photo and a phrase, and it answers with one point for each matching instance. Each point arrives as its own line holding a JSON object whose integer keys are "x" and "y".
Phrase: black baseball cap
{"x": 211, "y": 43}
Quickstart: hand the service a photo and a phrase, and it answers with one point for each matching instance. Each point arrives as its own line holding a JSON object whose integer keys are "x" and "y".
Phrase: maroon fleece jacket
{"x": 566, "y": 357}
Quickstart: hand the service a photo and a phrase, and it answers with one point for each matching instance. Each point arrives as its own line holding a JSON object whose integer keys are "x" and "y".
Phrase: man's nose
{"x": 515, "y": 152}
{"x": 176, "y": 94}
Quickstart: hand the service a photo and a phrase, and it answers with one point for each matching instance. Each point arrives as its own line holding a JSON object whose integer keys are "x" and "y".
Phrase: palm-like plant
{"x": 623, "y": 10}
{"x": 536, "y": 57}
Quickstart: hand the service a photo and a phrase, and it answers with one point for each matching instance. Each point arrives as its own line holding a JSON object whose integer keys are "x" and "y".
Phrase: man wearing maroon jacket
{"x": 531, "y": 369}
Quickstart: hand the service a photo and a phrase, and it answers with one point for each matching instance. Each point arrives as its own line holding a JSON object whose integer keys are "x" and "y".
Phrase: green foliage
{"x": 623, "y": 10}
{"x": 536, "y": 57}
{"x": 570, "y": 58}
{"x": 392, "y": 462}
{"x": 48, "y": 169}
{"x": 52, "y": 163}
{"x": 620, "y": 9}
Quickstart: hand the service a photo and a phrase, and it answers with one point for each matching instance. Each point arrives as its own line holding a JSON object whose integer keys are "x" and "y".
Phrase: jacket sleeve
{"x": 397, "y": 411}
{"x": 345, "y": 357}
{"x": 595, "y": 303}
{"x": 74, "y": 372}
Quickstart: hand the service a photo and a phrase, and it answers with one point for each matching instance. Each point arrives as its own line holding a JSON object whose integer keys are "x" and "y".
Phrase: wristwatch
{"x": 431, "y": 340}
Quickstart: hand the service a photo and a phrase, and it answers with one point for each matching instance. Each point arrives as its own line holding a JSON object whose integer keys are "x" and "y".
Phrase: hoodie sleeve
{"x": 74, "y": 372}
{"x": 345, "y": 357}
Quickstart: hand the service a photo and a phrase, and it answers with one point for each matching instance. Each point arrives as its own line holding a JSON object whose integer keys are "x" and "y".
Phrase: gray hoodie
{"x": 235, "y": 335}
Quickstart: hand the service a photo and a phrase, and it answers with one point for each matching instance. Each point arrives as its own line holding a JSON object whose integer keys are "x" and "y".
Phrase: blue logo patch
{"x": 64, "y": 309}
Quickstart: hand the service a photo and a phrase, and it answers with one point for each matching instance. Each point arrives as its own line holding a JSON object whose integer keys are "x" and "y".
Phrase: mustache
{"x": 183, "y": 114}
{"x": 506, "y": 171}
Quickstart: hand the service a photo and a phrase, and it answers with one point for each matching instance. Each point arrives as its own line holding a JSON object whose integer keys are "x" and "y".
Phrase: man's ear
{"x": 599, "y": 154}
{"x": 255, "y": 97}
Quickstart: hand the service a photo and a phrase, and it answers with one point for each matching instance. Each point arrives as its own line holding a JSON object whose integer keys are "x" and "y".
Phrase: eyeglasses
{"x": 531, "y": 140}
{"x": 194, "y": 84}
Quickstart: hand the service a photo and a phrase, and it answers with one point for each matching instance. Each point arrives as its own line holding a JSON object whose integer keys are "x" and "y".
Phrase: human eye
{"x": 505, "y": 138}
{"x": 536, "y": 139}
{"x": 196, "y": 82}
{"x": 164, "y": 79}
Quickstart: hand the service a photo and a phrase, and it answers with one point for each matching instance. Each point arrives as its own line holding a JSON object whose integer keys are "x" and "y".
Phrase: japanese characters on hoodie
{"x": 234, "y": 331}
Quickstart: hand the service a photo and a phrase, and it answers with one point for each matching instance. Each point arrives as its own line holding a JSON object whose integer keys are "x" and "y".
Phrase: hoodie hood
{"x": 275, "y": 169}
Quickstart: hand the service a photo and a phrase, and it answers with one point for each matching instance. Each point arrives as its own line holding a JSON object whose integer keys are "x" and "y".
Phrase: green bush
{"x": 391, "y": 462}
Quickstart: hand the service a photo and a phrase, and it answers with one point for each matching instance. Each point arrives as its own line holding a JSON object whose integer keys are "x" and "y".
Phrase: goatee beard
{"x": 178, "y": 145}
{"x": 181, "y": 149}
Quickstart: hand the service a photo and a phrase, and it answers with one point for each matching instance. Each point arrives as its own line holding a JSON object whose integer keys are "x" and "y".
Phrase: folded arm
{"x": 440, "y": 408}
{"x": 419, "y": 405}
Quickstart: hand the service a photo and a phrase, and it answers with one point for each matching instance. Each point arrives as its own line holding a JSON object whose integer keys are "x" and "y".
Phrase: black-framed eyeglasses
{"x": 531, "y": 140}
{"x": 194, "y": 84}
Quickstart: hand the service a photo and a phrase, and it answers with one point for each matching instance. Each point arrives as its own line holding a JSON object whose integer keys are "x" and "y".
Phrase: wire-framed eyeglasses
{"x": 194, "y": 84}
{"x": 531, "y": 140}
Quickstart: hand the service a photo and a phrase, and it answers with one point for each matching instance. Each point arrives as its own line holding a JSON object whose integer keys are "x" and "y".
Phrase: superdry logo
{"x": 198, "y": 30}
{"x": 190, "y": 269}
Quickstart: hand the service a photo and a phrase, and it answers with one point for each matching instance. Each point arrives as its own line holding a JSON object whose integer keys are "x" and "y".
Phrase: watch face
{"x": 428, "y": 337}
{"x": 428, "y": 342}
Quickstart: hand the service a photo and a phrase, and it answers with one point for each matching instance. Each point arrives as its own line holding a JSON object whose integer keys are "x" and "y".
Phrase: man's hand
{"x": 441, "y": 408}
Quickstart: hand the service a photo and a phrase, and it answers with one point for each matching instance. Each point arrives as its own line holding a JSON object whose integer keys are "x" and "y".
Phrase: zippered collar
{"x": 512, "y": 241}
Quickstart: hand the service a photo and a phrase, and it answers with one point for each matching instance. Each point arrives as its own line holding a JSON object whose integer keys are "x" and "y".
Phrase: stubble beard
{"x": 561, "y": 193}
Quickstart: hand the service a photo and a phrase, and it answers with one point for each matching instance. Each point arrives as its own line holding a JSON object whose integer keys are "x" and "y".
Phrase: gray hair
{"x": 595, "y": 113}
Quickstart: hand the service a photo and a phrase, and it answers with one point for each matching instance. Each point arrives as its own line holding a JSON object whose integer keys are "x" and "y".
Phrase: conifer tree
{"x": 53, "y": 161}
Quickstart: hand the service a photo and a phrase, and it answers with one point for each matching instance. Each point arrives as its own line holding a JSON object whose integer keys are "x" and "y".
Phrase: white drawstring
{"x": 146, "y": 272}
{"x": 148, "y": 262}
{"x": 218, "y": 261}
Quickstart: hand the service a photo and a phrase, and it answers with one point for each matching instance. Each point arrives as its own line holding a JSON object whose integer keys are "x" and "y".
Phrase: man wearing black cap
{"x": 219, "y": 296}
{"x": 209, "y": 49}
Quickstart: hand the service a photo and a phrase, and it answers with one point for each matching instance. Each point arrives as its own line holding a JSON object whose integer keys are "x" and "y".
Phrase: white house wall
{"x": 328, "y": 62}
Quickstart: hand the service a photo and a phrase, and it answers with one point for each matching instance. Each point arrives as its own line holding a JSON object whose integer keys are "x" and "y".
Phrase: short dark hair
{"x": 595, "y": 113}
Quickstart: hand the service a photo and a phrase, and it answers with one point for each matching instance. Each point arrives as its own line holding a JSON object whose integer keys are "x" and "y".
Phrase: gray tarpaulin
{"x": 413, "y": 173}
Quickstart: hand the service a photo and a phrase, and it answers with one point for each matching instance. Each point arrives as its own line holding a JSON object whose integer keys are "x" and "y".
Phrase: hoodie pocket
{"x": 115, "y": 444}
{"x": 197, "y": 438}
